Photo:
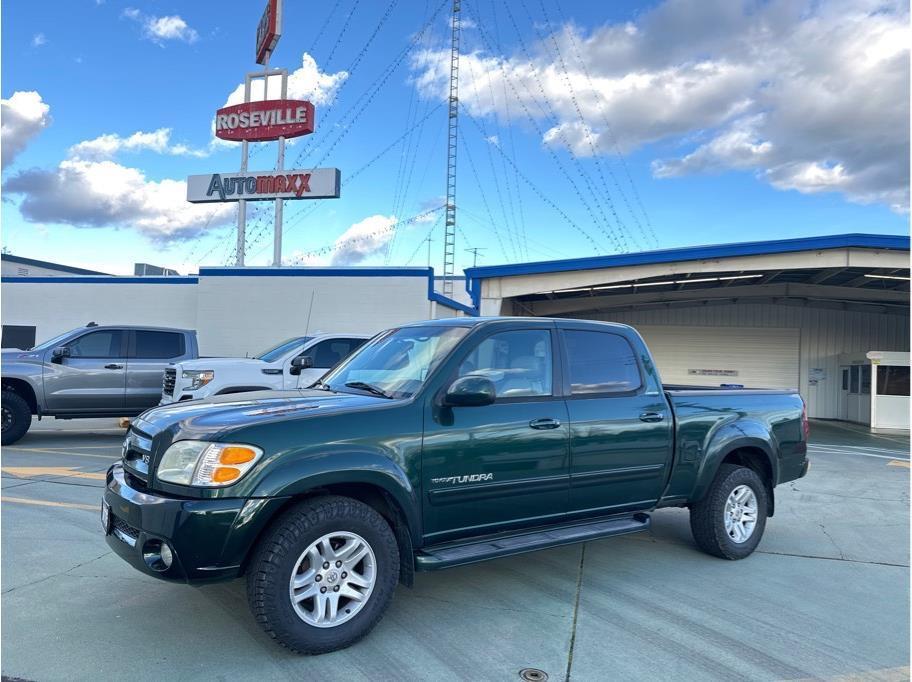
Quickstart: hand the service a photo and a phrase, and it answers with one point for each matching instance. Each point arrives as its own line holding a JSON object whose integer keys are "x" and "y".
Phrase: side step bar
{"x": 445, "y": 556}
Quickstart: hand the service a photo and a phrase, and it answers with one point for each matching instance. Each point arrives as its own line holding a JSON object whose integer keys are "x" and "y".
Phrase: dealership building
{"x": 827, "y": 315}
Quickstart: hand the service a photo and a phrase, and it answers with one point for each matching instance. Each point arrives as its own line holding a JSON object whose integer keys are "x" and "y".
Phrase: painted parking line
{"x": 49, "y": 503}
{"x": 67, "y": 472}
{"x": 898, "y": 463}
{"x": 820, "y": 450}
{"x": 46, "y": 451}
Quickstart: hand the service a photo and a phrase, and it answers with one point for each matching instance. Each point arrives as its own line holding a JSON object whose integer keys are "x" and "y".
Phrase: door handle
{"x": 652, "y": 416}
{"x": 544, "y": 423}
{"x": 113, "y": 365}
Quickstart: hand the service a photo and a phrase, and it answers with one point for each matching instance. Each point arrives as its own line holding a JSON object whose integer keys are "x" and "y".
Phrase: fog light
{"x": 166, "y": 556}
{"x": 158, "y": 555}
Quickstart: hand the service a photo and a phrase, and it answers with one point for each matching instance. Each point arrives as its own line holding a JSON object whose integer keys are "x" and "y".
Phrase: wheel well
{"x": 378, "y": 499}
{"x": 23, "y": 389}
{"x": 755, "y": 459}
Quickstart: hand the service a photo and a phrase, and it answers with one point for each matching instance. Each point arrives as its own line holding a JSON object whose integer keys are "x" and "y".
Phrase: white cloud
{"x": 161, "y": 29}
{"x": 86, "y": 193}
{"x": 363, "y": 240}
{"x": 306, "y": 82}
{"x": 23, "y": 115}
{"x": 810, "y": 95}
{"x": 106, "y": 146}
{"x": 38, "y": 40}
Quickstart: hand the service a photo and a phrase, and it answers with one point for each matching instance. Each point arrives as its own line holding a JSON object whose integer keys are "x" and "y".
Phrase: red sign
{"x": 264, "y": 121}
{"x": 269, "y": 30}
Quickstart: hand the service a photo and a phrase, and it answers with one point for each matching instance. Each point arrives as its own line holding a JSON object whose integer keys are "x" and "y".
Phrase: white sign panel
{"x": 319, "y": 183}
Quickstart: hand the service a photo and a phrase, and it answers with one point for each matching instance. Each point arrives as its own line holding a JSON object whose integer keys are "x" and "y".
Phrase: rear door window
{"x": 600, "y": 362}
{"x": 156, "y": 345}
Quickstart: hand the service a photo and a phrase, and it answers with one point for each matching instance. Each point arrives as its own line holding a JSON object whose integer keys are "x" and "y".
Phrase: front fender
{"x": 345, "y": 467}
{"x": 742, "y": 433}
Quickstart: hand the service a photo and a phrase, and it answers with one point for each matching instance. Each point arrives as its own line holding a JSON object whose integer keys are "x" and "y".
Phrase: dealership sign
{"x": 269, "y": 30}
{"x": 265, "y": 121}
{"x": 319, "y": 183}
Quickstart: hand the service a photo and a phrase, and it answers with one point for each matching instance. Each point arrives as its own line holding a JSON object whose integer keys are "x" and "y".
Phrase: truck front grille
{"x": 169, "y": 381}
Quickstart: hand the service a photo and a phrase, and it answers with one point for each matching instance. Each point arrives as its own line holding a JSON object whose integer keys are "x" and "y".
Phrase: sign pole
{"x": 242, "y": 205}
{"x": 279, "y": 204}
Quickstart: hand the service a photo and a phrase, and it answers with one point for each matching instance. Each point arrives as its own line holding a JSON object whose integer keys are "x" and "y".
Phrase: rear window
{"x": 600, "y": 362}
{"x": 157, "y": 345}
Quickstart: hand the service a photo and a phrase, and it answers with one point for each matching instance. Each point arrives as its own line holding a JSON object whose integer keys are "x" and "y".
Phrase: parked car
{"x": 93, "y": 371}
{"x": 438, "y": 444}
{"x": 296, "y": 362}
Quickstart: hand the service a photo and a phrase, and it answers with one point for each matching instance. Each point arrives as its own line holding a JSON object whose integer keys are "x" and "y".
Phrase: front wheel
{"x": 17, "y": 417}
{"x": 324, "y": 575}
{"x": 729, "y": 521}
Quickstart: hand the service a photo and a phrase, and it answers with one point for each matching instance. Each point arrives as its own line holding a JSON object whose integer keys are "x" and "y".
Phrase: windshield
{"x": 397, "y": 362}
{"x": 276, "y": 352}
{"x": 52, "y": 342}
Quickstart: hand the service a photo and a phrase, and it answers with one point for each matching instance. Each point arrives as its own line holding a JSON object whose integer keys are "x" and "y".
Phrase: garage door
{"x": 758, "y": 357}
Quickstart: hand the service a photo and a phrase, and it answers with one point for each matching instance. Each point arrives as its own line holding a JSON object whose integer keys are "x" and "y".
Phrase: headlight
{"x": 199, "y": 377}
{"x": 210, "y": 465}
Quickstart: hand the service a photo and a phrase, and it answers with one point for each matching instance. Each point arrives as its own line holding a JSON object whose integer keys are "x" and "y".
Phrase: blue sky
{"x": 585, "y": 127}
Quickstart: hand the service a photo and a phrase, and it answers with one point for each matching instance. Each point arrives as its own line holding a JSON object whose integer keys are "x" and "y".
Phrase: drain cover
{"x": 533, "y": 675}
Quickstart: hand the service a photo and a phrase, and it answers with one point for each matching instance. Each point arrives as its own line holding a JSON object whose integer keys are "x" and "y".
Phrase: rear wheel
{"x": 729, "y": 521}
{"x": 323, "y": 576}
{"x": 16, "y": 415}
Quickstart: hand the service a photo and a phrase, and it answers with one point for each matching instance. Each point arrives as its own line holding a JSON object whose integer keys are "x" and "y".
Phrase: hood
{"x": 215, "y": 363}
{"x": 20, "y": 356}
{"x": 246, "y": 409}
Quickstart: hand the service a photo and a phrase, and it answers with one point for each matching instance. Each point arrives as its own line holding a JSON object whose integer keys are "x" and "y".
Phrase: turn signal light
{"x": 225, "y": 474}
{"x": 235, "y": 454}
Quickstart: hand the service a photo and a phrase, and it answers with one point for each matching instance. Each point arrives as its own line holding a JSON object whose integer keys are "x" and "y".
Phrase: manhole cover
{"x": 533, "y": 675}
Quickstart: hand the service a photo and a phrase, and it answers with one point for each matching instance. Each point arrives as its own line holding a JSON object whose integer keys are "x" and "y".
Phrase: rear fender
{"x": 743, "y": 433}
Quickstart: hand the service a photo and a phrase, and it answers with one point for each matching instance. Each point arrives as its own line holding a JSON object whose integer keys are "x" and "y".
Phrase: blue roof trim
{"x": 864, "y": 241}
{"x": 316, "y": 272}
{"x": 99, "y": 280}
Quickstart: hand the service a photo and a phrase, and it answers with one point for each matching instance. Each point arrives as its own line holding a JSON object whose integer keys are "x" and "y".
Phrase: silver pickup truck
{"x": 93, "y": 371}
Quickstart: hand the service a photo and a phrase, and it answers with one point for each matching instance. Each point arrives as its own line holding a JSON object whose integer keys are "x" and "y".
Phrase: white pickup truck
{"x": 295, "y": 363}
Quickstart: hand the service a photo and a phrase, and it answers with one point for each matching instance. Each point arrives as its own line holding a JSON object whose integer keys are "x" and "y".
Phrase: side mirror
{"x": 59, "y": 353}
{"x": 301, "y": 362}
{"x": 470, "y": 391}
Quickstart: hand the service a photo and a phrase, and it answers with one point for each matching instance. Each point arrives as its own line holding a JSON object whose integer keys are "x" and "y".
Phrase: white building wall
{"x": 56, "y": 307}
{"x": 824, "y": 334}
{"x": 247, "y": 314}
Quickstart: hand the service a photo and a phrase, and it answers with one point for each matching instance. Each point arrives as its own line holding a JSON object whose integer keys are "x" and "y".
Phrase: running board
{"x": 445, "y": 556}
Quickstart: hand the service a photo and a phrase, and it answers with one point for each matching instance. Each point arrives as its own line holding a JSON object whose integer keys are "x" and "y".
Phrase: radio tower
{"x": 449, "y": 235}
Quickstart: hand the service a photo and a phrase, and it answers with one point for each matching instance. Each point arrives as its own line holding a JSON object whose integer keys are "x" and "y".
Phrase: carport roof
{"x": 689, "y": 253}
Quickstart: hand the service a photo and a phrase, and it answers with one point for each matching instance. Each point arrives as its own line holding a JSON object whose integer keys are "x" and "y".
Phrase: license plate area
{"x": 106, "y": 517}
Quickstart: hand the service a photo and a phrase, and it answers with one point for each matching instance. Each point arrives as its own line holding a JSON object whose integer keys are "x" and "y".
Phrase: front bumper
{"x": 209, "y": 538}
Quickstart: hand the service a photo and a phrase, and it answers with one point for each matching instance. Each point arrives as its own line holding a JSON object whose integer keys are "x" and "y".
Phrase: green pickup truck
{"x": 438, "y": 444}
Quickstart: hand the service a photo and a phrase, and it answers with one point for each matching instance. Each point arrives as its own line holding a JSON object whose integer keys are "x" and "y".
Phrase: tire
{"x": 281, "y": 554}
{"x": 708, "y": 516}
{"x": 17, "y": 417}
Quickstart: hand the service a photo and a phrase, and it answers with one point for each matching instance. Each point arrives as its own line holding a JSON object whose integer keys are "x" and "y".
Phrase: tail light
{"x": 805, "y": 424}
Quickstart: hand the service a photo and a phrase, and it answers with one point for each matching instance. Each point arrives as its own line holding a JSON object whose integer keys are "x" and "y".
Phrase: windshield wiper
{"x": 369, "y": 388}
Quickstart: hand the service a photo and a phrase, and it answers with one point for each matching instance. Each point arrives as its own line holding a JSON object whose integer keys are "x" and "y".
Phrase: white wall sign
{"x": 318, "y": 183}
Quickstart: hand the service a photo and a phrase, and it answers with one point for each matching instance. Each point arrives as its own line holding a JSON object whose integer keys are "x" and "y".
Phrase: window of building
{"x": 105, "y": 343}
{"x": 853, "y": 378}
{"x": 18, "y": 336}
{"x": 518, "y": 362}
{"x": 600, "y": 362}
{"x": 892, "y": 380}
{"x": 154, "y": 345}
{"x": 866, "y": 379}
{"x": 845, "y": 380}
